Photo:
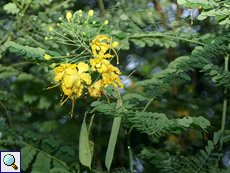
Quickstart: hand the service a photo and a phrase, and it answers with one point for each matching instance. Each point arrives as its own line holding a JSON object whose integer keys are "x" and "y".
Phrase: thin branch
{"x": 6, "y": 115}
{"x": 101, "y": 8}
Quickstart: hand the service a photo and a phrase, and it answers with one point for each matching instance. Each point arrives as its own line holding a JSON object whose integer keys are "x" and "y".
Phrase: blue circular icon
{"x": 8, "y": 159}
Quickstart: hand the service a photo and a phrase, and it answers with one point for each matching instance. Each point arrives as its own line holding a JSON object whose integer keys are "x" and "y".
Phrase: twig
{"x": 6, "y": 115}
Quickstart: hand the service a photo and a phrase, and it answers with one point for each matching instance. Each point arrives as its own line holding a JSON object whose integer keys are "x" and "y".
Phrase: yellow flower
{"x": 109, "y": 77}
{"x": 68, "y": 16}
{"x": 47, "y": 57}
{"x": 100, "y": 48}
{"x": 99, "y": 64}
{"x": 95, "y": 89}
{"x": 71, "y": 80}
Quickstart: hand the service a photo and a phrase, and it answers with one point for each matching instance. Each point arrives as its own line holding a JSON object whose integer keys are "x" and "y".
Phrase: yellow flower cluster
{"x": 102, "y": 65}
{"x": 73, "y": 77}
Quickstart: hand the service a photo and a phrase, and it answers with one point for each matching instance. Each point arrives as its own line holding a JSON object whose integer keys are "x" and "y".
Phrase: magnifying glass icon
{"x": 9, "y": 160}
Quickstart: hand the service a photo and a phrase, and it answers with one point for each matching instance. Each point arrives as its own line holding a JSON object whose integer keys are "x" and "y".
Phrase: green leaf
{"x": 181, "y": 2}
{"x": 204, "y": 154}
{"x": 217, "y": 154}
{"x": 131, "y": 96}
{"x": 11, "y": 8}
{"x": 29, "y": 96}
{"x": 202, "y": 16}
{"x": 213, "y": 72}
{"x": 215, "y": 138}
{"x": 188, "y": 120}
{"x": 218, "y": 18}
{"x": 183, "y": 123}
{"x": 207, "y": 6}
{"x": 24, "y": 77}
{"x": 42, "y": 163}
{"x": 112, "y": 142}
{"x": 228, "y": 169}
{"x": 84, "y": 147}
{"x": 27, "y": 155}
{"x": 59, "y": 170}
{"x": 58, "y": 164}
{"x": 65, "y": 153}
{"x": 95, "y": 103}
{"x": 208, "y": 66}
{"x": 124, "y": 17}
{"x": 49, "y": 145}
{"x": 44, "y": 102}
{"x": 7, "y": 74}
{"x": 177, "y": 131}
{"x": 27, "y": 51}
{"x": 113, "y": 136}
{"x": 138, "y": 42}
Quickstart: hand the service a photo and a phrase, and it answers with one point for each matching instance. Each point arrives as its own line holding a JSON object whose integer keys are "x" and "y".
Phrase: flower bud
{"x": 51, "y": 29}
{"x": 68, "y": 16}
{"x": 115, "y": 44}
{"x": 106, "y": 22}
{"x": 47, "y": 57}
{"x": 53, "y": 64}
{"x": 90, "y": 13}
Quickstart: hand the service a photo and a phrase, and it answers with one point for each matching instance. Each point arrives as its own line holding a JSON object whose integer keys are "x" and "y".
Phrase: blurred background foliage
{"x": 185, "y": 104}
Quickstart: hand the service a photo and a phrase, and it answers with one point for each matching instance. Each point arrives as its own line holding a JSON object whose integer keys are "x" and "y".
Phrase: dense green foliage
{"x": 173, "y": 112}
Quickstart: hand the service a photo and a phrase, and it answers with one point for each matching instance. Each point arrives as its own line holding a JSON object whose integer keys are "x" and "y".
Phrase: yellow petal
{"x": 58, "y": 76}
{"x": 68, "y": 81}
{"x": 82, "y": 67}
{"x": 86, "y": 77}
{"x": 67, "y": 91}
{"x": 95, "y": 89}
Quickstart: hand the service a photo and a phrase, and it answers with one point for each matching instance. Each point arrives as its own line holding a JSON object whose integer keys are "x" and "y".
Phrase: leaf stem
{"x": 17, "y": 4}
{"x": 148, "y": 104}
{"x": 223, "y": 123}
{"x": 130, "y": 150}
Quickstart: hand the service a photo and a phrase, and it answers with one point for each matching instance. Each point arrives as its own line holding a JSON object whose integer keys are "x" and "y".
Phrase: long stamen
{"x": 52, "y": 86}
{"x": 73, "y": 102}
{"x": 66, "y": 99}
{"x": 116, "y": 55}
{"x": 106, "y": 97}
